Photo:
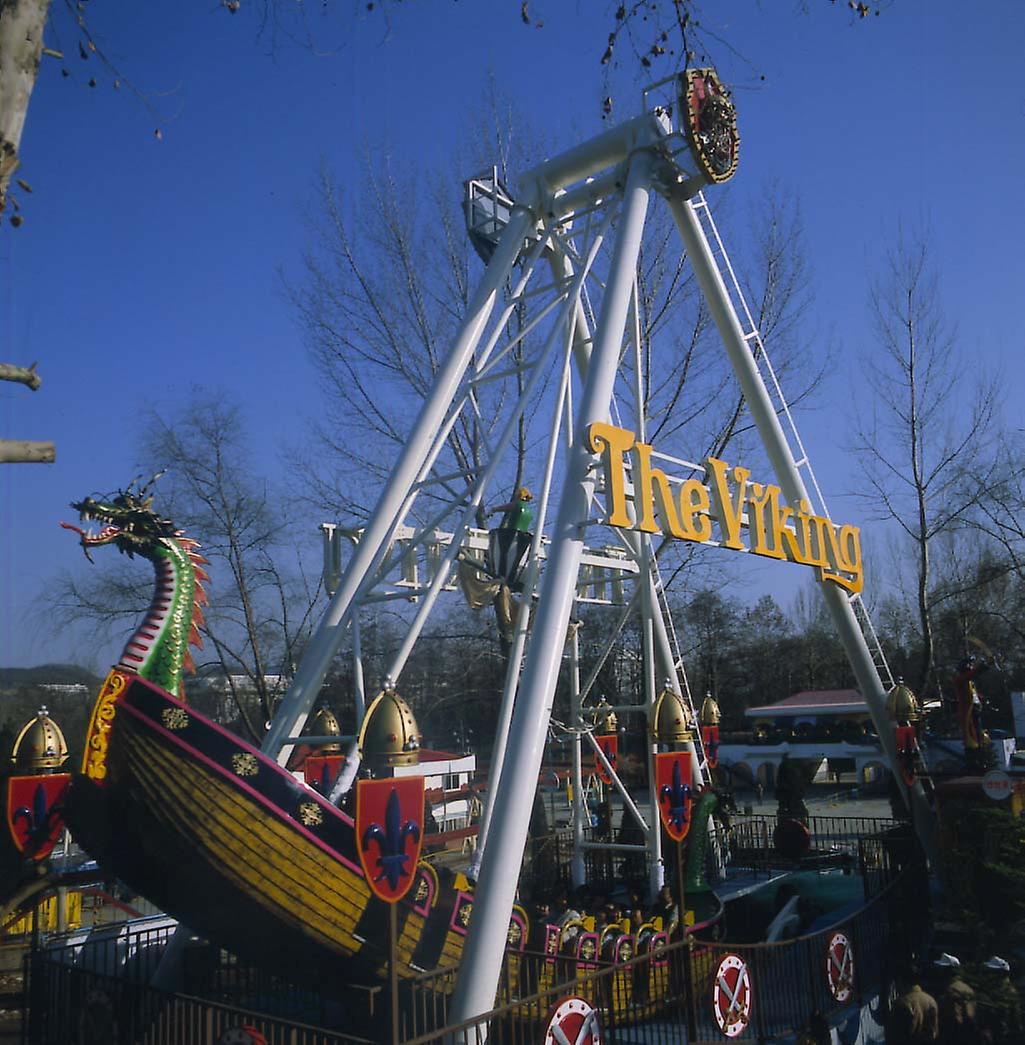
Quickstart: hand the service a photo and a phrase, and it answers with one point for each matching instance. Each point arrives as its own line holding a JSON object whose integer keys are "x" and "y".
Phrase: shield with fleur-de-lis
{"x": 35, "y": 812}
{"x": 907, "y": 752}
{"x": 389, "y": 833}
{"x": 609, "y": 745}
{"x": 710, "y": 742}
{"x": 672, "y": 785}
{"x": 322, "y": 771}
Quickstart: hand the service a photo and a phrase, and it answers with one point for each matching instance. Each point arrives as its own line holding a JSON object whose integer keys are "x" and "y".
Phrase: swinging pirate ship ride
{"x": 223, "y": 837}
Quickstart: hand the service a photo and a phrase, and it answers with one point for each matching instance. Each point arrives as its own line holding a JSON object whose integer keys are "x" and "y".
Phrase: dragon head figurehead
{"x": 158, "y": 650}
{"x": 129, "y": 521}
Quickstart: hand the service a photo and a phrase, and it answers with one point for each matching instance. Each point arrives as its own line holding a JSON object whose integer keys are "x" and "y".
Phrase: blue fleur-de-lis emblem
{"x": 40, "y": 819}
{"x": 609, "y": 751}
{"x": 391, "y": 842}
{"x": 712, "y": 747}
{"x": 676, "y": 796}
{"x": 323, "y": 785}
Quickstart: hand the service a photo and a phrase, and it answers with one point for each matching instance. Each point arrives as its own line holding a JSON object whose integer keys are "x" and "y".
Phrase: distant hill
{"x": 61, "y": 674}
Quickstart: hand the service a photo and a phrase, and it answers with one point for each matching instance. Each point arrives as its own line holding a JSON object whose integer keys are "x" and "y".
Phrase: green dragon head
{"x": 129, "y": 521}
{"x": 159, "y": 648}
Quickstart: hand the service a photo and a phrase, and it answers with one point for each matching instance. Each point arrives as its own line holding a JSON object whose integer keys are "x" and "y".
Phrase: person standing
{"x": 914, "y": 1016}
{"x": 510, "y": 540}
{"x": 957, "y": 1005}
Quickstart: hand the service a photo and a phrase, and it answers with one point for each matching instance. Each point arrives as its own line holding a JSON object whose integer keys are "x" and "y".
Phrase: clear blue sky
{"x": 148, "y": 266}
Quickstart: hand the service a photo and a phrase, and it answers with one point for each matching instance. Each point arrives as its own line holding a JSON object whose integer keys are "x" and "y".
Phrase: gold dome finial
{"x": 671, "y": 722}
{"x": 390, "y": 735}
{"x": 604, "y": 718}
{"x": 40, "y": 744}
{"x": 710, "y": 713}
{"x": 902, "y": 704}
{"x": 325, "y": 724}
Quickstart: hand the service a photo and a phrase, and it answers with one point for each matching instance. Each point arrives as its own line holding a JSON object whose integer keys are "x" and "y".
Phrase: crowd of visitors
{"x": 570, "y": 912}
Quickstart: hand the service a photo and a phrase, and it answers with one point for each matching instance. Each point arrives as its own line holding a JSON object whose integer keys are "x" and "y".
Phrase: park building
{"x": 830, "y": 731}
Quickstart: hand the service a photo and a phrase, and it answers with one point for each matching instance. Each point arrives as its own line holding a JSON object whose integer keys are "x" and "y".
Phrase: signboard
{"x": 731, "y": 996}
{"x": 997, "y": 785}
{"x": 840, "y": 967}
{"x": 389, "y": 833}
{"x": 719, "y": 511}
{"x": 672, "y": 785}
{"x": 574, "y": 1022}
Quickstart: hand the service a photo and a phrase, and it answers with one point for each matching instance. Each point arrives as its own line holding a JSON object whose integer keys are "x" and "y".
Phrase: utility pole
{"x": 24, "y": 451}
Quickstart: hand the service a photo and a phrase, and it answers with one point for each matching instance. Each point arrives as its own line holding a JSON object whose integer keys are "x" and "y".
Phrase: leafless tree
{"x": 259, "y": 615}
{"x": 24, "y": 451}
{"x": 931, "y": 423}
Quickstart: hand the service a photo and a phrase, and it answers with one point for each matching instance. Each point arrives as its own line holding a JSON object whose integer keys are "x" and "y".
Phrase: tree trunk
{"x": 24, "y": 451}
{"x": 21, "y": 42}
{"x": 25, "y": 375}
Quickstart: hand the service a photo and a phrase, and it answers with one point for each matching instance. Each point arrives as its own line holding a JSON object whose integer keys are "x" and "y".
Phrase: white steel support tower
{"x": 557, "y": 319}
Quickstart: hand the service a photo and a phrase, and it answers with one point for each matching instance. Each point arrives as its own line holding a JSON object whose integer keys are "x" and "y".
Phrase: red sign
{"x": 610, "y": 749}
{"x": 389, "y": 833}
{"x": 35, "y": 812}
{"x": 840, "y": 967}
{"x": 322, "y": 771}
{"x": 574, "y": 1022}
{"x": 731, "y": 996}
{"x": 672, "y": 785}
{"x": 710, "y": 742}
{"x": 997, "y": 785}
{"x": 907, "y": 747}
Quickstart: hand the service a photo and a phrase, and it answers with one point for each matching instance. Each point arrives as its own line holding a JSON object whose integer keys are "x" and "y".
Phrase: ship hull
{"x": 233, "y": 846}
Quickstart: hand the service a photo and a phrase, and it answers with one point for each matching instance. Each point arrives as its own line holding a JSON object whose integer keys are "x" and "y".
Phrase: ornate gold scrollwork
{"x": 94, "y": 762}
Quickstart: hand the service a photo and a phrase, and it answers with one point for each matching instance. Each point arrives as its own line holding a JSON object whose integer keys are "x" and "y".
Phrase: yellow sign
{"x": 722, "y": 510}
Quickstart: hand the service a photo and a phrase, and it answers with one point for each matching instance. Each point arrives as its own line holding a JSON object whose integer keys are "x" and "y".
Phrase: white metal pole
{"x": 359, "y": 692}
{"x": 496, "y": 891}
{"x": 578, "y": 870}
{"x": 325, "y": 642}
{"x": 778, "y": 449}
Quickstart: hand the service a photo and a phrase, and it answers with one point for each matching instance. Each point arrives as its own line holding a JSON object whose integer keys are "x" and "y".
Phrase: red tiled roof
{"x": 813, "y": 700}
{"x": 432, "y": 755}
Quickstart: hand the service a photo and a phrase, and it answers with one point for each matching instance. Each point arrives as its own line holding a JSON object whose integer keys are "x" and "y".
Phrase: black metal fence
{"x": 689, "y": 992}
{"x": 71, "y": 1004}
{"x": 872, "y": 846}
{"x": 100, "y": 979}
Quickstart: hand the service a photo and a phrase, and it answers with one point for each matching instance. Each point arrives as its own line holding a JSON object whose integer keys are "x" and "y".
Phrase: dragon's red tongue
{"x": 75, "y": 529}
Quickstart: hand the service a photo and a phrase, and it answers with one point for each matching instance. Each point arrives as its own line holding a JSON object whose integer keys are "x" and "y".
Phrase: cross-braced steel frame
{"x": 565, "y": 267}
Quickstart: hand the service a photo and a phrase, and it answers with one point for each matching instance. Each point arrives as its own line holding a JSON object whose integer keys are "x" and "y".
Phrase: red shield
{"x": 840, "y": 967}
{"x": 35, "y": 812}
{"x": 321, "y": 771}
{"x": 710, "y": 742}
{"x": 731, "y": 996}
{"x": 907, "y": 748}
{"x": 672, "y": 784}
{"x": 575, "y": 1021}
{"x": 610, "y": 749}
{"x": 389, "y": 832}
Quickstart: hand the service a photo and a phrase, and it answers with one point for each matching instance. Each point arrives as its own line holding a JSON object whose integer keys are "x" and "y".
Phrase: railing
{"x": 663, "y": 991}
{"x": 68, "y": 1004}
{"x": 684, "y": 993}
{"x": 209, "y": 973}
{"x": 863, "y": 843}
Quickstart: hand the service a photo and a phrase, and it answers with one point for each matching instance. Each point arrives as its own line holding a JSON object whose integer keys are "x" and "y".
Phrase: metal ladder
{"x": 753, "y": 338}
